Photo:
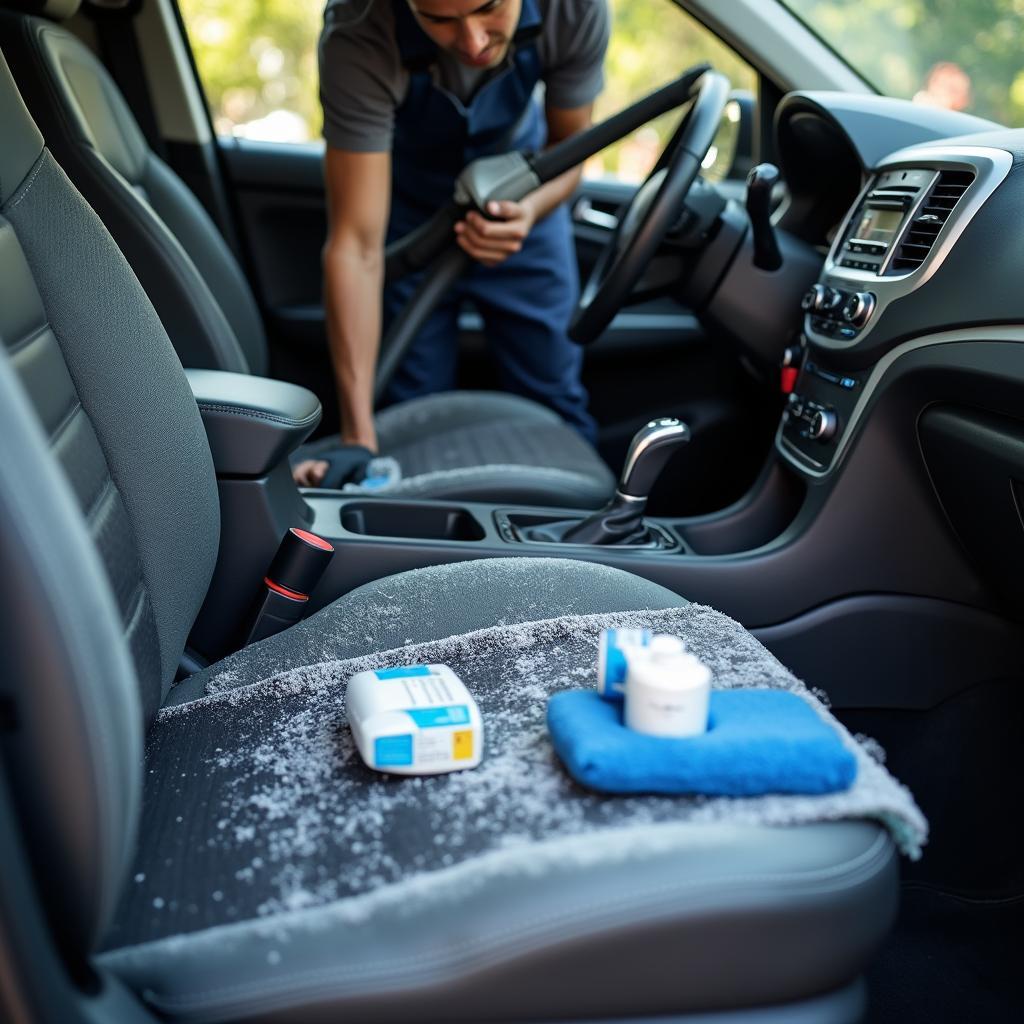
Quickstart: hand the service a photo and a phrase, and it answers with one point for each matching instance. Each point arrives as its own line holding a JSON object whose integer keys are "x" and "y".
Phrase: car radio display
{"x": 878, "y": 225}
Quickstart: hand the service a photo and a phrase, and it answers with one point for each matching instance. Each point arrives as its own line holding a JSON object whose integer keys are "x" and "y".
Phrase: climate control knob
{"x": 833, "y": 299}
{"x": 821, "y": 299}
{"x": 823, "y": 425}
{"x": 813, "y": 298}
{"x": 858, "y": 308}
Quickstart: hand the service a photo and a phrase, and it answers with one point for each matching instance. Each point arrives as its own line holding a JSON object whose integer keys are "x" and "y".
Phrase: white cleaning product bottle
{"x": 414, "y": 720}
{"x": 667, "y": 690}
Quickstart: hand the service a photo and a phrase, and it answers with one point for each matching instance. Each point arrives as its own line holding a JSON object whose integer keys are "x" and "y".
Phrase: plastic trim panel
{"x": 990, "y": 165}
{"x": 1013, "y": 334}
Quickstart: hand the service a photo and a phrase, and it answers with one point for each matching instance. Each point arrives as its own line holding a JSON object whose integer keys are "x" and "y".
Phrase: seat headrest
{"x": 55, "y": 10}
{"x": 22, "y": 141}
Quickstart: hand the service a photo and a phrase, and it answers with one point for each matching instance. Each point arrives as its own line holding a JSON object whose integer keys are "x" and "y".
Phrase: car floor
{"x": 950, "y": 959}
{"x": 955, "y": 954}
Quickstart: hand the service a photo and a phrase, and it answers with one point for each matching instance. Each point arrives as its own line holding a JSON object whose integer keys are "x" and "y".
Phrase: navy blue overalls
{"x": 526, "y": 301}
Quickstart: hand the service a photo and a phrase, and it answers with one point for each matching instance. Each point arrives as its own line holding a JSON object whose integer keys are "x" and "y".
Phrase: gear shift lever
{"x": 621, "y": 521}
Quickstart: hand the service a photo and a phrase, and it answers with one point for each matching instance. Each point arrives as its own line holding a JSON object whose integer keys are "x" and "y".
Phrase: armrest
{"x": 253, "y": 423}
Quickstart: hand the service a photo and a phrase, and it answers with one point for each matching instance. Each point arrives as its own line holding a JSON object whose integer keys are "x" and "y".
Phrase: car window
{"x": 652, "y": 42}
{"x": 962, "y": 56}
{"x": 257, "y": 62}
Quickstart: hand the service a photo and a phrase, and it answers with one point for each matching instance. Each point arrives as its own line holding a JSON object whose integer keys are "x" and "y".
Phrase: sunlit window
{"x": 652, "y": 42}
{"x": 257, "y": 60}
{"x": 962, "y": 56}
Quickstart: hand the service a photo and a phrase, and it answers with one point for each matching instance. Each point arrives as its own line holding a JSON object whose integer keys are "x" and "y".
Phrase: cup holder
{"x": 411, "y": 521}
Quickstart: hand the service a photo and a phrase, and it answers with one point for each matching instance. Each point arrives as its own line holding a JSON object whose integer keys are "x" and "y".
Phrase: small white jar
{"x": 667, "y": 690}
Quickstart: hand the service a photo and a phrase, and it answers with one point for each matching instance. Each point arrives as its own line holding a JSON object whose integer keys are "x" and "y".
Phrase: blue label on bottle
{"x": 402, "y": 672}
{"x": 393, "y": 750}
{"x": 430, "y": 718}
{"x": 615, "y": 667}
{"x": 612, "y": 684}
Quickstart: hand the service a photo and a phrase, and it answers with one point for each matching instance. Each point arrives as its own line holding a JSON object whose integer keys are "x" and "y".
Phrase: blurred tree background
{"x": 257, "y": 59}
{"x": 898, "y": 45}
{"x": 652, "y": 42}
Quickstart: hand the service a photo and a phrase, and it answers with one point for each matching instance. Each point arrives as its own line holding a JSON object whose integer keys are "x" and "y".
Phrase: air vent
{"x": 929, "y": 219}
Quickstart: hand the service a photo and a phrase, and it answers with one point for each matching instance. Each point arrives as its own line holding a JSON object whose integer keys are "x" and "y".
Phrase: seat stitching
{"x": 164, "y": 246}
{"x": 235, "y": 410}
{"x": 135, "y": 603}
{"x": 65, "y": 420}
{"x": 29, "y": 181}
{"x": 23, "y": 343}
{"x": 94, "y": 506}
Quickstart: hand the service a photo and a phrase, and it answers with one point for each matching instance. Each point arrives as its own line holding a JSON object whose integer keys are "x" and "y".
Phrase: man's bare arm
{"x": 358, "y": 187}
{"x": 492, "y": 241}
{"x": 358, "y": 196}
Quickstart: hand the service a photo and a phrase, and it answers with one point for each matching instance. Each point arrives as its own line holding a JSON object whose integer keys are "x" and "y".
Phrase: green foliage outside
{"x": 896, "y": 43}
{"x": 257, "y": 60}
{"x": 652, "y": 42}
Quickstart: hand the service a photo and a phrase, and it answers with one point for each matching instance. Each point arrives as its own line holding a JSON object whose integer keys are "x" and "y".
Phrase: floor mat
{"x": 949, "y": 961}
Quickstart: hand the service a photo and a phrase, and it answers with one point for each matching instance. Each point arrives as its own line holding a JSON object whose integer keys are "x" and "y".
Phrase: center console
{"x": 889, "y": 246}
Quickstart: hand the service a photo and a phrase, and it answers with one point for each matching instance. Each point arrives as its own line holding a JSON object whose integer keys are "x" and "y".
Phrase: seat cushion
{"x": 487, "y": 446}
{"x": 432, "y": 603}
{"x": 278, "y": 878}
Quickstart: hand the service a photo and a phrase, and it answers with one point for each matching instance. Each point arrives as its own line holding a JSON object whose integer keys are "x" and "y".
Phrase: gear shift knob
{"x": 650, "y": 449}
{"x": 621, "y": 521}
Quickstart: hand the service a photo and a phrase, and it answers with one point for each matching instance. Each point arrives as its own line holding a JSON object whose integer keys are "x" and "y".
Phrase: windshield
{"x": 960, "y": 54}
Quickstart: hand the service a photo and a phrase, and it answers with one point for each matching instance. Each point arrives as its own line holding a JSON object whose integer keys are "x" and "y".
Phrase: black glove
{"x": 345, "y": 465}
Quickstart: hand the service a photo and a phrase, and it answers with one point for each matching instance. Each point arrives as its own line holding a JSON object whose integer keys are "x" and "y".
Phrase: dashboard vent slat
{"x": 929, "y": 220}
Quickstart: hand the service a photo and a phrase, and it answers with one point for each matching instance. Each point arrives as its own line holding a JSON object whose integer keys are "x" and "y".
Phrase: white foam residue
{"x": 316, "y": 829}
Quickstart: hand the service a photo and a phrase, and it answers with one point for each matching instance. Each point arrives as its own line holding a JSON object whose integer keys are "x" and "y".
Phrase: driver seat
{"x": 469, "y": 445}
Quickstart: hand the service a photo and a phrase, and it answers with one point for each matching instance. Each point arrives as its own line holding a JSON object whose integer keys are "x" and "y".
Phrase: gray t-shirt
{"x": 363, "y": 82}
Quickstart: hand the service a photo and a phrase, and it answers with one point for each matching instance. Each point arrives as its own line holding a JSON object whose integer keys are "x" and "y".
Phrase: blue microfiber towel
{"x": 758, "y": 741}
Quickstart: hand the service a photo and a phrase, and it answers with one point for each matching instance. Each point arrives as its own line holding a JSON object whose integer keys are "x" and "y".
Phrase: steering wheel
{"x": 652, "y": 211}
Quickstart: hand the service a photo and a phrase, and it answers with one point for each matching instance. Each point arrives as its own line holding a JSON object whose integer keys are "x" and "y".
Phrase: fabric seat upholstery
{"x": 635, "y": 927}
{"x": 486, "y": 446}
{"x": 491, "y": 450}
{"x": 706, "y": 916}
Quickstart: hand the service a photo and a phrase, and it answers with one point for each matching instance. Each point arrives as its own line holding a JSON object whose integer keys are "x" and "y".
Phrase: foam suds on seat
{"x": 256, "y": 793}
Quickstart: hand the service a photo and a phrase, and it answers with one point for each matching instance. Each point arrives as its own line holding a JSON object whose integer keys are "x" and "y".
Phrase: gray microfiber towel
{"x": 257, "y": 794}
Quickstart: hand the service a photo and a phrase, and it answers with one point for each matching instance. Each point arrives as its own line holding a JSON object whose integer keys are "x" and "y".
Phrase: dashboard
{"x": 925, "y": 252}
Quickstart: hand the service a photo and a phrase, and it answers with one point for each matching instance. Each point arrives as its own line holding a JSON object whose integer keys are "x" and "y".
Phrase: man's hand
{"x": 492, "y": 241}
{"x": 309, "y": 472}
{"x": 345, "y": 464}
